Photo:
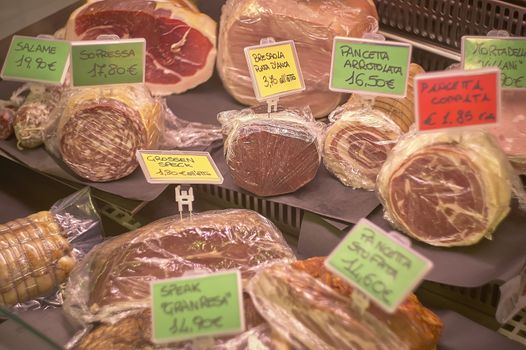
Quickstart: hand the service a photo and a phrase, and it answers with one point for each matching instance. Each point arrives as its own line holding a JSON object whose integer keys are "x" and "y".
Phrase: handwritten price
{"x": 167, "y": 172}
{"x": 370, "y": 281}
{"x": 38, "y": 63}
{"x": 270, "y": 81}
{"x": 198, "y": 322}
{"x": 372, "y": 81}
{"x": 461, "y": 117}
{"x": 109, "y": 70}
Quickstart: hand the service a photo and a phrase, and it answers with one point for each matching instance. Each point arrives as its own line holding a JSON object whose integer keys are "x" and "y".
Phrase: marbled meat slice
{"x": 180, "y": 41}
{"x": 446, "y": 188}
{"x": 272, "y": 157}
{"x": 100, "y": 140}
{"x": 437, "y": 195}
{"x": 355, "y": 150}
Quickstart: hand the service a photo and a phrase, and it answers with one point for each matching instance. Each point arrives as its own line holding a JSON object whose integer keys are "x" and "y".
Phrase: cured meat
{"x": 511, "y": 132}
{"x": 135, "y": 332}
{"x": 180, "y": 41}
{"x": 358, "y": 142}
{"x": 34, "y": 114}
{"x": 271, "y": 156}
{"x": 311, "y": 24}
{"x": 311, "y": 314}
{"x": 446, "y": 189}
{"x": 98, "y": 130}
{"x": 35, "y": 258}
{"x": 415, "y": 325}
{"x": 7, "y": 118}
{"x": 114, "y": 278}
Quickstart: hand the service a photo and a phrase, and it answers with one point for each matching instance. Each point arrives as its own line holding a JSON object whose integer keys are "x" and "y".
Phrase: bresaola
{"x": 446, "y": 188}
{"x": 180, "y": 41}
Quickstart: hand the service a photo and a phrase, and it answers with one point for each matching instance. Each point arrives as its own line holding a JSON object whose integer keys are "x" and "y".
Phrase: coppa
{"x": 100, "y": 53}
{"x": 21, "y": 46}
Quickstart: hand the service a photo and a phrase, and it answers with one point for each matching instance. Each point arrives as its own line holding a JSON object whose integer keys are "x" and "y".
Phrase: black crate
{"x": 443, "y": 22}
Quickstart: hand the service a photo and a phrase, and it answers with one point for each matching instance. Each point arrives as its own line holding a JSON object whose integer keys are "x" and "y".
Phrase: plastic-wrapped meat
{"x": 97, "y": 131}
{"x": 413, "y": 323}
{"x": 273, "y": 155}
{"x": 180, "y": 41}
{"x": 511, "y": 132}
{"x": 311, "y": 24}
{"x": 38, "y": 252}
{"x": 34, "y": 258}
{"x": 313, "y": 310}
{"x": 134, "y": 332}
{"x": 114, "y": 278}
{"x": 33, "y": 115}
{"x": 362, "y": 135}
{"x": 7, "y": 118}
{"x": 446, "y": 188}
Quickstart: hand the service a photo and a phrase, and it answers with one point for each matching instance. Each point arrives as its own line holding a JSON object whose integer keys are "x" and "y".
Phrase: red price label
{"x": 457, "y": 99}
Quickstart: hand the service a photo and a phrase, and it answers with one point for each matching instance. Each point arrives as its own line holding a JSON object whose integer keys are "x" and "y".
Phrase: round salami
{"x": 99, "y": 131}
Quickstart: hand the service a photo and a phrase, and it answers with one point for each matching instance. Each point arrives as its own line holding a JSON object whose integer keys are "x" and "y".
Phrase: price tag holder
{"x": 457, "y": 99}
{"x": 370, "y": 67}
{"x": 274, "y": 69}
{"x": 378, "y": 265}
{"x": 36, "y": 59}
{"x": 180, "y": 167}
{"x": 197, "y": 306}
{"x": 108, "y": 62}
{"x": 506, "y": 53}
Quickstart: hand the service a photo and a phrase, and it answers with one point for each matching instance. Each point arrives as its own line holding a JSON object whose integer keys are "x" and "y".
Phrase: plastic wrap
{"x": 364, "y": 132}
{"x": 272, "y": 154}
{"x": 34, "y": 114}
{"x": 97, "y": 131}
{"x": 447, "y": 188}
{"x": 134, "y": 332}
{"x": 180, "y": 41}
{"x": 180, "y": 133}
{"x": 8, "y": 110}
{"x": 112, "y": 282}
{"x": 511, "y": 132}
{"x": 38, "y": 252}
{"x": 312, "y": 309}
{"x": 311, "y": 24}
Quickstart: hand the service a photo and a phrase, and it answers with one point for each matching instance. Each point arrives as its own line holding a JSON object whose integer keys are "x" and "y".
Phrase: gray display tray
{"x": 497, "y": 260}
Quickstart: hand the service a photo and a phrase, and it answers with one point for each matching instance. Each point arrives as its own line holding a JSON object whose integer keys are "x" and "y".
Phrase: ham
{"x": 311, "y": 24}
{"x": 446, "y": 188}
{"x": 180, "y": 41}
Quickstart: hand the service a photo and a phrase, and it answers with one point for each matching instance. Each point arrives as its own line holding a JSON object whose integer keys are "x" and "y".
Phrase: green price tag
{"x": 507, "y": 54}
{"x": 370, "y": 67}
{"x": 108, "y": 62}
{"x": 197, "y": 306}
{"x": 36, "y": 59}
{"x": 378, "y": 265}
